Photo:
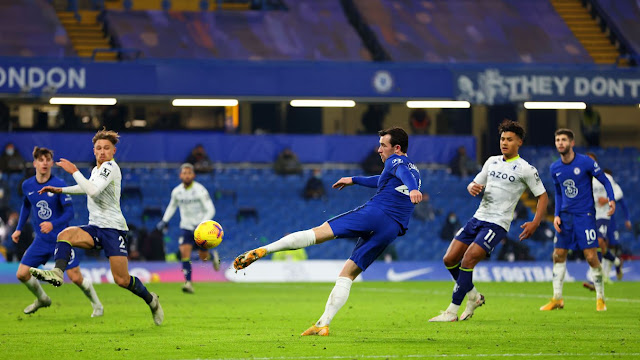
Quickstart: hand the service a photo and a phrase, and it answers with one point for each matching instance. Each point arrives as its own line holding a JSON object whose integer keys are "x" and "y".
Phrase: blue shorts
{"x": 374, "y": 229}
{"x": 483, "y": 233}
{"x": 186, "y": 238}
{"x": 578, "y": 232}
{"x": 114, "y": 242}
{"x": 40, "y": 251}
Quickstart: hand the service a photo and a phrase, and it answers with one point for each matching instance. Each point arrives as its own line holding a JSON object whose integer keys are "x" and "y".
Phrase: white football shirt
{"x": 195, "y": 205}
{"x": 103, "y": 195}
{"x": 599, "y": 191}
{"x": 505, "y": 181}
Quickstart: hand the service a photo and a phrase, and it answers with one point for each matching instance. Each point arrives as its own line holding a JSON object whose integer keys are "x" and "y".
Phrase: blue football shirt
{"x": 573, "y": 183}
{"x": 393, "y": 194}
{"x": 55, "y": 208}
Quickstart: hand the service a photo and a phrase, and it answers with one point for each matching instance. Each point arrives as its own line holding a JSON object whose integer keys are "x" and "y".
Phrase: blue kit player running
{"x": 574, "y": 219}
{"x": 376, "y": 223}
{"x": 503, "y": 178}
{"x": 195, "y": 207}
{"x": 107, "y": 227}
{"x": 51, "y": 214}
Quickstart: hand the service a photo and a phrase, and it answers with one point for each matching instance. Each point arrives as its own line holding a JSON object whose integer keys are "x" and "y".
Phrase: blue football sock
{"x": 463, "y": 285}
{"x": 137, "y": 287}
{"x": 62, "y": 254}
{"x": 186, "y": 269}
{"x": 609, "y": 256}
{"x": 454, "y": 270}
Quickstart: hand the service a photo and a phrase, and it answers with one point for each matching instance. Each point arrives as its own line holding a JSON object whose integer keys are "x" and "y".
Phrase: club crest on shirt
{"x": 105, "y": 172}
{"x": 576, "y": 171}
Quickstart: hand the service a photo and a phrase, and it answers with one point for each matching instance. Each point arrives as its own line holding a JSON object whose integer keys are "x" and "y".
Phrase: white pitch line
{"x": 436, "y": 292}
{"x": 430, "y": 356}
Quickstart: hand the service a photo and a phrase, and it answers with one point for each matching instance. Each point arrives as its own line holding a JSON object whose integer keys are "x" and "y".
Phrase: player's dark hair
{"x": 512, "y": 126}
{"x": 591, "y": 155}
{"x": 567, "y": 132}
{"x": 105, "y": 134}
{"x": 398, "y": 137}
{"x": 41, "y": 151}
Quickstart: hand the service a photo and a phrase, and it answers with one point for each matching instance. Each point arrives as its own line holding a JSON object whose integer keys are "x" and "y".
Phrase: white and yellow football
{"x": 208, "y": 234}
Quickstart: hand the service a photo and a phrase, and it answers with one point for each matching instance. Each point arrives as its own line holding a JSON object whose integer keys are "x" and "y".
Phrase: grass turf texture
{"x": 380, "y": 320}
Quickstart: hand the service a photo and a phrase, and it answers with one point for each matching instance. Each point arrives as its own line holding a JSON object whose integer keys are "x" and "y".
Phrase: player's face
{"x": 104, "y": 150}
{"x": 563, "y": 144}
{"x": 509, "y": 144}
{"x": 187, "y": 175}
{"x": 43, "y": 165}
{"x": 385, "y": 149}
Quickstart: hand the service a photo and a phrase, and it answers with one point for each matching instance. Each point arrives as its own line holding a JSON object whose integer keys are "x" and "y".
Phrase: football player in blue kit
{"x": 574, "y": 219}
{"x": 503, "y": 178}
{"x": 377, "y": 223}
{"x": 51, "y": 214}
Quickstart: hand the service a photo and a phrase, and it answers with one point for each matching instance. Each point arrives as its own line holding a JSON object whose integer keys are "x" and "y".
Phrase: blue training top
{"x": 395, "y": 182}
{"x": 55, "y": 208}
{"x": 573, "y": 182}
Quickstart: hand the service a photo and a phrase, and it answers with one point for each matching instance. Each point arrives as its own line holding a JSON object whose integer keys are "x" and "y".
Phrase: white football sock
{"x": 297, "y": 240}
{"x": 559, "y": 269}
{"x": 34, "y": 286}
{"x": 597, "y": 281}
{"x": 473, "y": 294}
{"x": 337, "y": 299}
{"x": 606, "y": 268}
{"x": 90, "y": 292}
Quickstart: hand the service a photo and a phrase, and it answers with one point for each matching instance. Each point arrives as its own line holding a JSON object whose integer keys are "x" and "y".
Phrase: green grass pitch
{"x": 380, "y": 321}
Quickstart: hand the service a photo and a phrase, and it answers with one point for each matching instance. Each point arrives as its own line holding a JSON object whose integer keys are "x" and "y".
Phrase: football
{"x": 208, "y": 234}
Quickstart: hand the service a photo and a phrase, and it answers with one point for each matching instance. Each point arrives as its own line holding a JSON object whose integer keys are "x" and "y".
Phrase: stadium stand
{"x": 625, "y": 17}
{"x": 44, "y": 36}
{"x": 473, "y": 31}
{"x": 309, "y": 30}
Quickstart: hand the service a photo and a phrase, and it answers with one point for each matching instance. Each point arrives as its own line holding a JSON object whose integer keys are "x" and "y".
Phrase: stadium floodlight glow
{"x": 438, "y": 104}
{"x": 82, "y": 101}
{"x": 551, "y": 105}
{"x": 204, "y": 102}
{"x": 322, "y": 103}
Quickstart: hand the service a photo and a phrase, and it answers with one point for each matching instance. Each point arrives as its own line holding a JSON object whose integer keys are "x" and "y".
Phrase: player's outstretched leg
{"x": 296, "y": 240}
{"x": 245, "y": 259}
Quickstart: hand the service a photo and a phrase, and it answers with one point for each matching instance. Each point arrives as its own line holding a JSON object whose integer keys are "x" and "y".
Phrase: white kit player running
{"x": 605, "y": 226}
{"x": 503, "y": 178}
{"x": 195, "y": 207}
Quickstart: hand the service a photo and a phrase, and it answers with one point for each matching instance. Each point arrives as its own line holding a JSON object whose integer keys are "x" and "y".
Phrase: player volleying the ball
{"x": 377, "y": 223}
{"x": 195, "y": 207}
{"x": 107, "y": 227}
{"x": 503, "y": 178}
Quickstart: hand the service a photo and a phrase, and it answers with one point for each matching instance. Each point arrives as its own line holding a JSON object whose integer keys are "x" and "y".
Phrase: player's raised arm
{"x": 104, "y": 178}
{"x": 404, "y": 174}
{"x": 345, "y": 181}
